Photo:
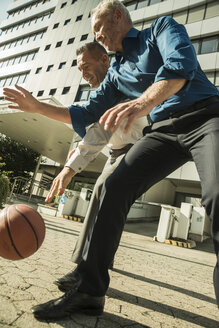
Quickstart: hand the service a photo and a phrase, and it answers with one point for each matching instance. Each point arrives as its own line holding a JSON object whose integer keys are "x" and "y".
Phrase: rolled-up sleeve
{"x": 176, "y": 49}
{"x": 103, "y": 98}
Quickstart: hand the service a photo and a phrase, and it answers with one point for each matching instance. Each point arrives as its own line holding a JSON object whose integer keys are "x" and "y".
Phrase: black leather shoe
{"x": 69, "y": 303}
{"x": 70, "y": 281}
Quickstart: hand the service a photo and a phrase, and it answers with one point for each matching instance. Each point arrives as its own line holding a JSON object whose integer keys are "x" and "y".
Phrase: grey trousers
{"x": 82, "y": 244}
{"x": 165, "y": 147}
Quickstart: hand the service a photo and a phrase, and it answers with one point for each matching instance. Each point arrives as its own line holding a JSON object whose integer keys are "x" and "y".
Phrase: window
{"x": 63, "y": 4}
{"x": 212, "y": 10}
{"x": 152, "y": 2}
{"x": 14, "y": 80}
{"x": 74, "y": 63}
{"x": 142, "y": 4}
{"x": 209, "y": 45}
{"x": 79, "y": 18}
{"x": 40, "y": 93}
{"x": 213, "y": 77}
{"x": 2, "y": 82}
{"x": 67, "y": 21}
{"x": 23, "y": 58}
{"x": 55, "y": 25}
{"x": 38, "y": 70}
{"x": 73, "y": 1}
{"x": 52, "y": 92}
{"x": 84, "y": 37}
{"x": 70, "y": 41}
{"x": 47, "y": 47}
{"x": 62, "y": 65}
{"x": 180, "y": 17}
{"x": 58, "y": 44}
{"x": 196, "y": 14}
{"x": 22, "y": 78}
{"x": 131, "y": 5}
{"x": 65, "y": 90}
{"x": 10, "y": 62}
{"x": 210, "y": 76}
{"x": 196, "y": 45}
{"x": 83, "y": 93}
{"x": 49, "y": 68}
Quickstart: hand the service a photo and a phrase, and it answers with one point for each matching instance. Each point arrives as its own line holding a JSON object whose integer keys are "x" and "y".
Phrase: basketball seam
{"x": 10, "y": 236}
{"x": 30, "y": 224}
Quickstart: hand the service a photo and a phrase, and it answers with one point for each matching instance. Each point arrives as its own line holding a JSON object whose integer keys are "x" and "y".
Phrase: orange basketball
{"x": 22, "y": 231}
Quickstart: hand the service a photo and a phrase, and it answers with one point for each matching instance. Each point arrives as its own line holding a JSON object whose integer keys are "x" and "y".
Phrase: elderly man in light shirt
{"x": 93, "y": 62}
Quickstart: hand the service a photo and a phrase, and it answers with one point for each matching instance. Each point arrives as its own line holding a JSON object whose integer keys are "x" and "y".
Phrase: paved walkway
{"x": 153, "y": 284}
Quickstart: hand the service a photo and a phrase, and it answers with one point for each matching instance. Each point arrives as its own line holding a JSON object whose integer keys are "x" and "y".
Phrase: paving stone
{"x": 8, "y": 312}
{"x": 152, "y": 285}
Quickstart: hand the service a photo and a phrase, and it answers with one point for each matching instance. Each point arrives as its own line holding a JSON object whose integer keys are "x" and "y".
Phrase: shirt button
{"x": 140, "y": 79}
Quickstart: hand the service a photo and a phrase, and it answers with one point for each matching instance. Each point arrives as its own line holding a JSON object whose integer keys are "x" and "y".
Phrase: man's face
{"x": 93, "y": 68}
{"x": 107, "y": 31}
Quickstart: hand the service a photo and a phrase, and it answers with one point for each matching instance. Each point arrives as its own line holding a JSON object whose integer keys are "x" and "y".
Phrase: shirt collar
{"x": 128, "y": 46}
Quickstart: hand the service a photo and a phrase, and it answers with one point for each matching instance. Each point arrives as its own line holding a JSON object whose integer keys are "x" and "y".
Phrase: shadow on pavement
{"x": 168, "y": 286}
{"x": 105, "y": 320}
{"x": 126, "y": 245}
{"x": 172, "y": 311}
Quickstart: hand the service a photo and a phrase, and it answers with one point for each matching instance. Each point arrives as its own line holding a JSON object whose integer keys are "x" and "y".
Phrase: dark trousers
{"x": 165, "y": 147}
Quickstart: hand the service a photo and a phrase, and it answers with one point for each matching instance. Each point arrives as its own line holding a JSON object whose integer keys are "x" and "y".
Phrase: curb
{"x": 185, "y": 244}
{"x": 73, "y": 218}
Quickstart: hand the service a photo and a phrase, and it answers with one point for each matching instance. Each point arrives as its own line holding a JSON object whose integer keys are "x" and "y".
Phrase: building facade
{"x": 38, "y": 45}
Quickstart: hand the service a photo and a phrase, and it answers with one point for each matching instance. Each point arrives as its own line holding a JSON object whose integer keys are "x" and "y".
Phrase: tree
{"x": 19, "y": 159}
{"x": 4, "y": 184}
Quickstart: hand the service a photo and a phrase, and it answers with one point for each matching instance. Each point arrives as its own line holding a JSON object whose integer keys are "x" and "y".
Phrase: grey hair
{"x": 108, "y": 6}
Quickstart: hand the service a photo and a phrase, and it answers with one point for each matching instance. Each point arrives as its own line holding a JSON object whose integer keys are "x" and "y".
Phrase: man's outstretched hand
{"x": 130, "y": 111}
{"x": 60, "y": 183}
{"x": 22, "y": 99}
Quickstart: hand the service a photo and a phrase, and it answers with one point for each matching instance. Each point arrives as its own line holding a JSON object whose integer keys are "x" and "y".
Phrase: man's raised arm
{"x": 23, "y": 100}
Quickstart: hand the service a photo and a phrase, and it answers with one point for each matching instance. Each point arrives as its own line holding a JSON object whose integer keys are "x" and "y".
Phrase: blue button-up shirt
{"x": 163, "y": 51}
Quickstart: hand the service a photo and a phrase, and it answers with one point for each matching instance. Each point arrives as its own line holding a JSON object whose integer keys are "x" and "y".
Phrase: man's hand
{"x": 60, "y": 183}
{"x": 156, "y": 94}
{"x": 130, "y": 110}
{"x": 22, "y": 98}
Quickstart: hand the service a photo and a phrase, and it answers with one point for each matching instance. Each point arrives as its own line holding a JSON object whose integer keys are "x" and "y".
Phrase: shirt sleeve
{"x": 90, "y": 146}
{"x": 101, "y": 99}
{"x": 176, "y": 49}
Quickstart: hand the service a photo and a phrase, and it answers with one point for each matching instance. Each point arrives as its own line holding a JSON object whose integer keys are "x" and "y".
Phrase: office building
{"x": 38, "y": 45}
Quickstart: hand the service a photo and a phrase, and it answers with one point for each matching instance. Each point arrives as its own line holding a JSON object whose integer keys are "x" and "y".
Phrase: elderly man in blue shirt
{"x": 158, "y": 70}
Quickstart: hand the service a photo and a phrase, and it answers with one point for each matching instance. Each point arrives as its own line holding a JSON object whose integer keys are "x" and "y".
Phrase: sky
{"x": 3, "y": 8}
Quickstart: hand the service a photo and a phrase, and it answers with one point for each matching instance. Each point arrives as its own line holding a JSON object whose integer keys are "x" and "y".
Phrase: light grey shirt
{"x": 97, "y": 138}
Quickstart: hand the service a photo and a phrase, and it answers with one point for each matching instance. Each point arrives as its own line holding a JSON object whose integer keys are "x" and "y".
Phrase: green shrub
{"x": 4, "y": 189}
{"x": 4, "y": 184}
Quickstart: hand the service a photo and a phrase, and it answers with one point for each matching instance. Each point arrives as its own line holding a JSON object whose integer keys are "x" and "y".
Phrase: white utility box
{"x": 182, "y": 223}
{"x": 68, "y": 202}
{"x": 200, "y": 228}
{"x": 167, "y": 216}
{"x": 83, "y": 202}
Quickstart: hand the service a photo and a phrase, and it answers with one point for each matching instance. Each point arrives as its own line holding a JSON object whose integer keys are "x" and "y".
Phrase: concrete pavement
{"x": 153, "y": 284}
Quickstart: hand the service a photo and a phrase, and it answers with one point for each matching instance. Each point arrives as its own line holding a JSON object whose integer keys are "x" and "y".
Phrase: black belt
{"x": 201, "y": 104}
